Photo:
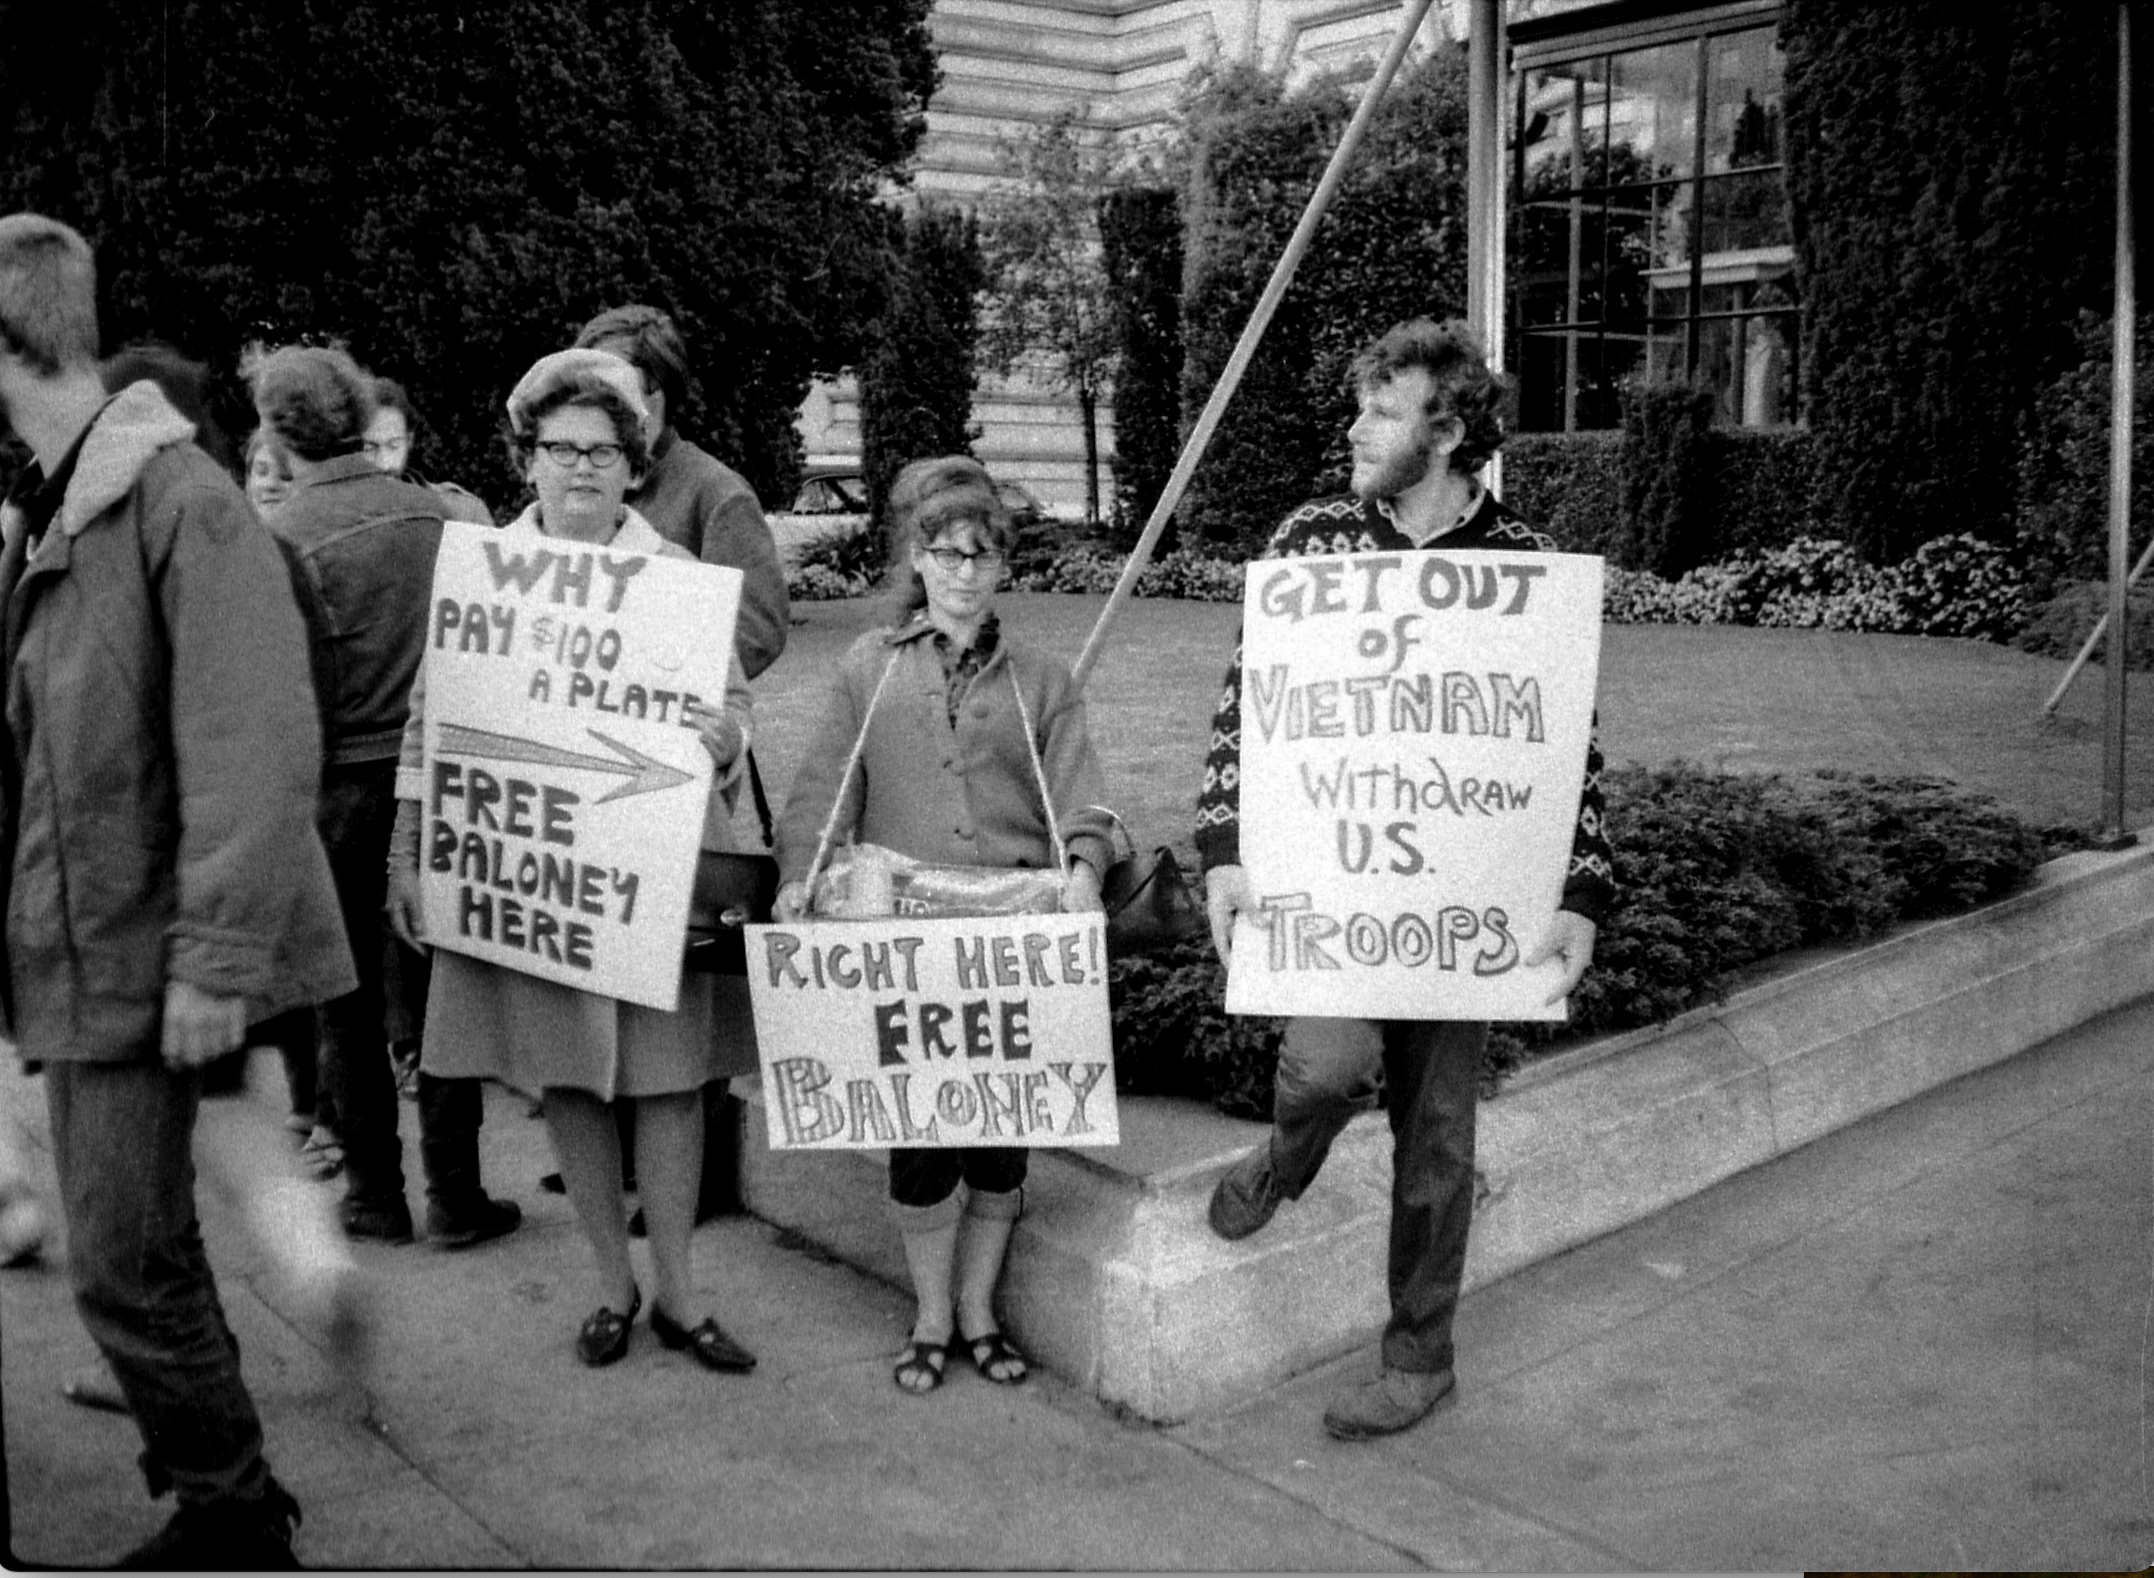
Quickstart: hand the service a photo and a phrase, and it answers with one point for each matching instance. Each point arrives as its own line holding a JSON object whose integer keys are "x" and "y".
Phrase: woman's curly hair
{"x": 928, "y": 498}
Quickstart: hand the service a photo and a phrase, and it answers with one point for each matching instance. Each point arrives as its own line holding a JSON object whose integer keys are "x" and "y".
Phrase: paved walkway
{"x": 1918, "y": 1344}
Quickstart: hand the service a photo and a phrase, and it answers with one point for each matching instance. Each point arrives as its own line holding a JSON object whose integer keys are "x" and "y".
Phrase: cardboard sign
{"x": 922, "y": 1033}
{"x": 564, "y": 790}
{"x": 1414, "y": 735}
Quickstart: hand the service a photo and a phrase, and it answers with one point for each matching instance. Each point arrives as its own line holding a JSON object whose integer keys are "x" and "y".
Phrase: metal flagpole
{"x": 2114, "y": 831}
{"x": 1282, "y": 275}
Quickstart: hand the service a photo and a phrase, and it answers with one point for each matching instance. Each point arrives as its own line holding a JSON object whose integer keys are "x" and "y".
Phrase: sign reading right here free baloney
{"x": 1414, "y": 737}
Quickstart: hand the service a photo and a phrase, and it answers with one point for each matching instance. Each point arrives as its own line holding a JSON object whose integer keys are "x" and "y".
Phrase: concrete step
{"x": 1117, "y": 1283}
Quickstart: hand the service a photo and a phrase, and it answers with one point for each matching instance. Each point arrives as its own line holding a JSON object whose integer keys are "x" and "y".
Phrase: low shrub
{"x": 1719, "y": 871}
{"x": 1093, "y": 571}
{"x": 1952, "y": 586}
{"x": 2060, "y": 626}
{"x": 840, "y": 563}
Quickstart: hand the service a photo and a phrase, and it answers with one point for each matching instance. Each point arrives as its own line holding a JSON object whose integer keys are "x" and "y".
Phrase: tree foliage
{"x": 1046, "y": 304}
{"x": 916, "y": 383}
{"x": 452, "y": 191}
{"x": 1949, "y": 167}
{"x": 1140, "y": 231}
{"x": 1392, "y": 247}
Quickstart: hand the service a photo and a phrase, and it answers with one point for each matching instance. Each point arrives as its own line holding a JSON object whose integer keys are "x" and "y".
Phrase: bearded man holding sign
{"x": 1430, "y": 417}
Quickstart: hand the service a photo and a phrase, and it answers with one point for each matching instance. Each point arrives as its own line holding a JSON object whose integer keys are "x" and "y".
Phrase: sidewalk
{"x": 1915, "y": 1344}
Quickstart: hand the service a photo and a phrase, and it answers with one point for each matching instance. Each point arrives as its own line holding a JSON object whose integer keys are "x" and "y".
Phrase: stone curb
{"x": 1116, "y": 1282}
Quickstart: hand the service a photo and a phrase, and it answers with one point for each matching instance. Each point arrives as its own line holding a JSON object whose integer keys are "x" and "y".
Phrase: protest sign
{"x": 1414, "y": 735}
{"x": 564, "y": 787}
{"x": 916, "y": 1032}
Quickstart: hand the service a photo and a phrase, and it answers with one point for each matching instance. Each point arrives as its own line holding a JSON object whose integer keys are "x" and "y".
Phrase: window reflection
{"x": 1651, "y": 234}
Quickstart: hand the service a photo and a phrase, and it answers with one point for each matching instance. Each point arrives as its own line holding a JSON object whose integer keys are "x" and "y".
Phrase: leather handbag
{"x": 731, "y": 891}
{"x": 1149, "y": 902}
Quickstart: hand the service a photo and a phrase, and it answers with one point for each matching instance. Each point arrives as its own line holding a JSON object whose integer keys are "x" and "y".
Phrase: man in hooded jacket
{"x": 163, "y": 884}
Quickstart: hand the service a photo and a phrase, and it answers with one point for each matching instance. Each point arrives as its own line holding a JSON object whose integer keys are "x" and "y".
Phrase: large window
{"x": 1650, "y": 233}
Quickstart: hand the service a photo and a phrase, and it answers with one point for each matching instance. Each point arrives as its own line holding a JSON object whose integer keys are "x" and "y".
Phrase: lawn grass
{"x": 1723, "y": 696}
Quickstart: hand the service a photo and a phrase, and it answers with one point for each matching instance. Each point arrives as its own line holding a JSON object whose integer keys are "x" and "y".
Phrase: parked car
{"x": 830, "y": 490}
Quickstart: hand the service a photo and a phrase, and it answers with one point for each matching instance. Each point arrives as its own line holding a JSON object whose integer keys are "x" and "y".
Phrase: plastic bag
{"x": 869, "y": 882}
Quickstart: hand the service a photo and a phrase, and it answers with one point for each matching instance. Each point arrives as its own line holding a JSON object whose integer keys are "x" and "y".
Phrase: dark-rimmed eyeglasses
{"x": 952, "y": 560}
{"x": 565, "y": 455}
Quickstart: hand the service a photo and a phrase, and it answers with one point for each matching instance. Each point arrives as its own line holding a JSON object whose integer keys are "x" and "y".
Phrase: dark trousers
{"x": 123, "y": 1147}
{"x": 1432, "y": 1073}
{"x": 355, "y": 815}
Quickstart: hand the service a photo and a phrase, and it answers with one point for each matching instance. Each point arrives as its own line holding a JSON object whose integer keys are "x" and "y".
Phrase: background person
{"x": 362, "y": 546}
{"x": 158, "y": 726}
{"x": 389, "y": 438}
{"x": 947, "y": 739}
{"x": 268, "y": 474}
{"x": 705, "y": 506}
{"x": 577, "y": 421}
{"x": 1431, "y": 415}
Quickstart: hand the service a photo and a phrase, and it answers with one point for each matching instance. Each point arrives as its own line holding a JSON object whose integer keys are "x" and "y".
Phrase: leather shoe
{"x": 483, "y": 1219}
{"x": 603, "y": 1337}
{"x": 1387, "y": 1404}
{"x": 384, "y": 1224}
{"x": 713, "y": 1349}
{"x": 1246, "y": 1195}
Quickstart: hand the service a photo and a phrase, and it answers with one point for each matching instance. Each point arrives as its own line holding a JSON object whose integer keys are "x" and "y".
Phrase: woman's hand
{"x": 1080, "y": 892}
{"x": 403, "y": 910}
{"x": 790, "y": 907}
{"x": 721, "y": 734}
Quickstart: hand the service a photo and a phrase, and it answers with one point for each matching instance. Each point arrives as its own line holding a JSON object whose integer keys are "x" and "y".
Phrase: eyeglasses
{"x": 952, "y": 560}
{"x": 565, "y": 455}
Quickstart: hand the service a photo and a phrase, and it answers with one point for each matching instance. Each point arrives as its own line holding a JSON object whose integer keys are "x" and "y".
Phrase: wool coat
{"x": 962, "y": 794}
{"x": 697, "y": 502}
{"x": 163, "y": 753}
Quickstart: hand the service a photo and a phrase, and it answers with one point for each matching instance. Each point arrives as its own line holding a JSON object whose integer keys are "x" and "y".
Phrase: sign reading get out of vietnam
{"x": 1414, "y": 736}
{"x": 564, "y": 789}
{"x": 917, "y": 1032}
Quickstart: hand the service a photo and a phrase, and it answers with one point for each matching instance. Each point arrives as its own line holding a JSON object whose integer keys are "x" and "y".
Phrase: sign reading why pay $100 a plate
{"x": 919, "y": 1032}
{"x": 564, "y": 789}
{"x": 1414, "y": 736}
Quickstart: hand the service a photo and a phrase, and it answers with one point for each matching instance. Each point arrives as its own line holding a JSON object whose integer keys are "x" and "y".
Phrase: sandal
{"x": 603, "y": 1337}
{"x": 996, "y": 1359}
{"x": 322, "y": 1157}
{"x": 920, "y": 1366}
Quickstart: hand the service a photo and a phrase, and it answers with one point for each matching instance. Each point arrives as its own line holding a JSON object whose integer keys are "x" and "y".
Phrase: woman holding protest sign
{"x": 949, "y": 743}
{"x": 577, "y": 423}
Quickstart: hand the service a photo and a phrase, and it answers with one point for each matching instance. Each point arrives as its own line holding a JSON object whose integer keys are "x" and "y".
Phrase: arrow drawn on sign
{"x": 644, "y": 774}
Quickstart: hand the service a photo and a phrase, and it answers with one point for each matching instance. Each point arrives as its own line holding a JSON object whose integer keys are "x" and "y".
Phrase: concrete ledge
{"x": 1116, "y": 1282}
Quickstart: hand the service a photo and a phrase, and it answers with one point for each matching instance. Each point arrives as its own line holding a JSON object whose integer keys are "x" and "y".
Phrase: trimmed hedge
{"x": 1571, "y": 486}
{"x": 1760, "y": 484}
{"x": 1718, "y": 872}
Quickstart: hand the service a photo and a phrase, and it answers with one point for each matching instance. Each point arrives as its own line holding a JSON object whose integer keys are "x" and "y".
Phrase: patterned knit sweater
{"x": 1350, "y": 525}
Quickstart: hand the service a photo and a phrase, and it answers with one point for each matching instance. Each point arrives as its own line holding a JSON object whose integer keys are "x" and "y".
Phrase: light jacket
{"x": 952, "y": 795}
{"x": 362, "y": 545}
{"x": 164, "y": 753}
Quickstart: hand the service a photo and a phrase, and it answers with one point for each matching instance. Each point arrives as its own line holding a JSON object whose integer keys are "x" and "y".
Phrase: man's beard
{"x": 1399, "y": 473}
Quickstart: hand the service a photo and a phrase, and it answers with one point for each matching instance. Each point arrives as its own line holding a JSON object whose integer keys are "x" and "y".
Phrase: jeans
{"x": 1432, "y": 1071}
{"x": 122, "y": 1143}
